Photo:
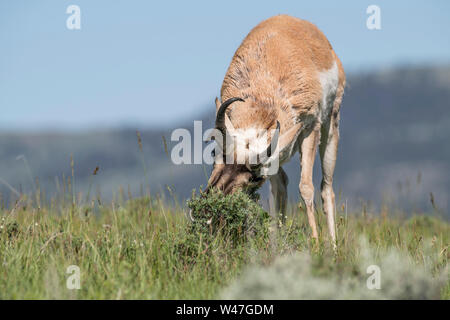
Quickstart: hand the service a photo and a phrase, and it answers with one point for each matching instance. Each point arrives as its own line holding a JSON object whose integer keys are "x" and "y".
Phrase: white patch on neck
{"x": 329, "y": 80}
{"x": 249, "y": 143}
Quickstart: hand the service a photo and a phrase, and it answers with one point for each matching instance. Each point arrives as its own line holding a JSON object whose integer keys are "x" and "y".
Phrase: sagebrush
{"x": 133, "y": 248}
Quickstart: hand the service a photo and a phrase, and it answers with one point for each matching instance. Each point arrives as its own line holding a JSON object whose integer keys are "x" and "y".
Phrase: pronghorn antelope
{"x": 284, "y": 76}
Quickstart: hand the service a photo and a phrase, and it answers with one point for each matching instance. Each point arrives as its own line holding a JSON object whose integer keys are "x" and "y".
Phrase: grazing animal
{"x": 285, "y": 77}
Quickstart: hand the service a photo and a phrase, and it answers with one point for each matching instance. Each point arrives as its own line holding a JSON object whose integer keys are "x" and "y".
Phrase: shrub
{"x": 294, "y": 277}
{"x": 235, "y": 216}
{"x": 219, "y": 218}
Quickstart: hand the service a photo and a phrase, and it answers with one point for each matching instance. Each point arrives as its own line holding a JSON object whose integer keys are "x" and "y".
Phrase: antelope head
{"x": 239, "y": 161}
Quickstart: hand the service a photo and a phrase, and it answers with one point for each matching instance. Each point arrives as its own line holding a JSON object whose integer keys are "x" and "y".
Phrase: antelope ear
{"x": 217, "y": 101}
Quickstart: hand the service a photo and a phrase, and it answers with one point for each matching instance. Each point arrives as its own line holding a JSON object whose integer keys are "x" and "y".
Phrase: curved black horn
{"x": 274, "y": 142}
{"x": 220, "y": 118}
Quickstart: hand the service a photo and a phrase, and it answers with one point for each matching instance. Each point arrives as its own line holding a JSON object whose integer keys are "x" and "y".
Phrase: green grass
{"x": 145, "y": 249}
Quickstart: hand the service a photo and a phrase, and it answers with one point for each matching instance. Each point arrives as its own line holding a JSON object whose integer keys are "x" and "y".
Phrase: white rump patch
{"x": 329, "y": 80}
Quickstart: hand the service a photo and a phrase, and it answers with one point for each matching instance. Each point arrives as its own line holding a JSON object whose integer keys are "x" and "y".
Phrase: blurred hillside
{"x": 395, "y": 126}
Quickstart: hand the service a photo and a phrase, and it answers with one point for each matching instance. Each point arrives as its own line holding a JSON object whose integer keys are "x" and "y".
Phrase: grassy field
{"x": 144, "y": 249}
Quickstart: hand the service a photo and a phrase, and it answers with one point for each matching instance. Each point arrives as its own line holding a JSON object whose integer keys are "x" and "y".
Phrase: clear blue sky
{"x": 152, "y": 63}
